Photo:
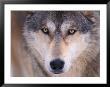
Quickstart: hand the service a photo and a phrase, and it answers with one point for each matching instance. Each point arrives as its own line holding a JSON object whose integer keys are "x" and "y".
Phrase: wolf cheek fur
{"x": 79, "y": 52}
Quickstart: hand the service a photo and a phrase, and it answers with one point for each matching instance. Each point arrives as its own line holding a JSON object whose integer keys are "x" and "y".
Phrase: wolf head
{"x": 60, "y": 37}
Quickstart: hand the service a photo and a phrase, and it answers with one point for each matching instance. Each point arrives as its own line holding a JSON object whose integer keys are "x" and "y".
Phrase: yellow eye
{"x": 45, "y": 30}
{"x": 71, "y": 31}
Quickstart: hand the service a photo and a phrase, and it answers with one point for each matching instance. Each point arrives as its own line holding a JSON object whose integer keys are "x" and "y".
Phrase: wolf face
{"x": 56, "y": 39}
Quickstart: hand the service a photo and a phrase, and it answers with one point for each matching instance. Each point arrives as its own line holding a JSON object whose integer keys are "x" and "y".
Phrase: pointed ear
{"x": 30, "y": 13}
{"x": 94, "y": 16}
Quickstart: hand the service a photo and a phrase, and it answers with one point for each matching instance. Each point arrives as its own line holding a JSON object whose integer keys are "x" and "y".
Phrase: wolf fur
{"x": 32, "y": 50}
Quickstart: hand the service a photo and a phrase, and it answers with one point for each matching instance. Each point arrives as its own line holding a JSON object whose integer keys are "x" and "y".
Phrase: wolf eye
{"x": 45, "y": 30}
{"x": 71, "y": 31}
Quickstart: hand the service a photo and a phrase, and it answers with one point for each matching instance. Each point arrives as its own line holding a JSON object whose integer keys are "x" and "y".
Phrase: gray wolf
{"x": 58, "y": 43}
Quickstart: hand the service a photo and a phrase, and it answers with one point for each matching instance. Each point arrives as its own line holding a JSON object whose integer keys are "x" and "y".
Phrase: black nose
{"x": 57, "y": 66}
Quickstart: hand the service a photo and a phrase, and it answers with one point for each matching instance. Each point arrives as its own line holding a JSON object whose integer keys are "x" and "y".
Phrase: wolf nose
{"x": 57, "y": 66}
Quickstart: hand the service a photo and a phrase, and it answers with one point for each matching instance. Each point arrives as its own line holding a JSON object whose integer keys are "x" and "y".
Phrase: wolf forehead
{"x": 36, "y": 20}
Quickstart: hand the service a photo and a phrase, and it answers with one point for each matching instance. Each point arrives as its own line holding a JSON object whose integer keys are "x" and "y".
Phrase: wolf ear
{"x": 30, "y": 13}
{"x": 94, "y": 16}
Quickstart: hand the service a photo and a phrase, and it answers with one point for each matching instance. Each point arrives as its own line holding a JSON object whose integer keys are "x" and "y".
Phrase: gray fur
{"x": 58, "y": 17}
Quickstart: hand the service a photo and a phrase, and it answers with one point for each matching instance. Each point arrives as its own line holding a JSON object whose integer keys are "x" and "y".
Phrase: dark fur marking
{"x": 59, "y": 19}
{"x": 82, "y": 22}
{"x": 31, "y": 22}
{"x": 57, "y": 37}
{"x": 34, "y": 22}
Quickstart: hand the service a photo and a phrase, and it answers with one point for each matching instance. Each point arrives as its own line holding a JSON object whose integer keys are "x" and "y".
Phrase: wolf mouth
{"x": 57, "y": 72}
